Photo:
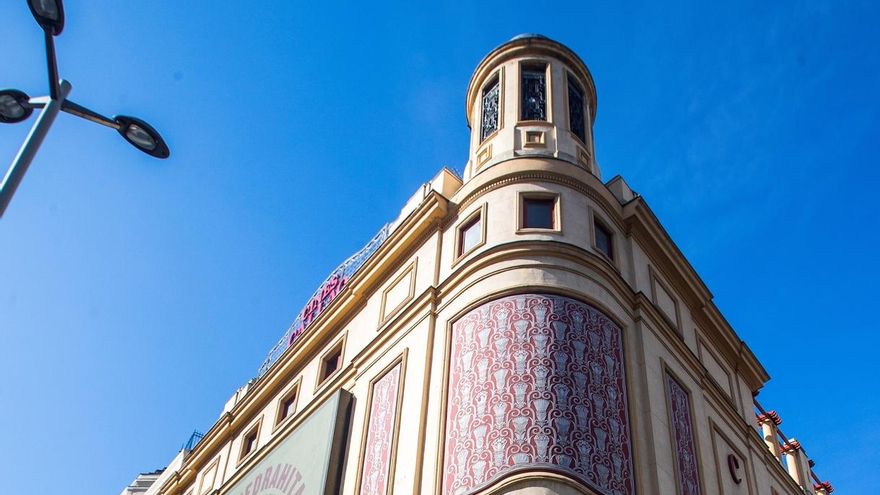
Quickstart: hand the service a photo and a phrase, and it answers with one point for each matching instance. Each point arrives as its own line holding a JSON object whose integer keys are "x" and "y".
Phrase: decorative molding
{"x": 537, "y": 383}
{"x": 683, "y": 442}
{"x": 791, "y": 447}
{"x": 770, "y": 416}
{"x": 381, "y": 431}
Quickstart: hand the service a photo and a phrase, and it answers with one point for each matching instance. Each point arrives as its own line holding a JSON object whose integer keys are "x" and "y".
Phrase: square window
{"x": 604, "y": 239}
{"x": 330, "y": 363}
{"x": 287, "y": 405}
{"x": 249, "y": 442}
{"x": 539, "y": 213}
{"x": 470, "y": 234}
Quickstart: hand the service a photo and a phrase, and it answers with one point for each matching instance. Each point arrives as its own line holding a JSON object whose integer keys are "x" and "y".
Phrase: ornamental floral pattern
{"x": 380, "y": 434}
{"x": 683, "y": 438}
{"x": 537, "y": 381}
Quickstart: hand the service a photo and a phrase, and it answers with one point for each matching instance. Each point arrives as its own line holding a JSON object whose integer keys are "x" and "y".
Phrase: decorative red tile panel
{"x": 380, "y": 434}
{"x": 683, "y": 438}
{"x": 537, "y": 382}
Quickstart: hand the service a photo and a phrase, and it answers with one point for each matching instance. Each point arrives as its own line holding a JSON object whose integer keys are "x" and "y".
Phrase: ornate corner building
{"x": 525, "y": 329}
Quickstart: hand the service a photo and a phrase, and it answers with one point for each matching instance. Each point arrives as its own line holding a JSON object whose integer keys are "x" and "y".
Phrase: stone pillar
{"x": 798, "y": 466}
{"x": 769, "y": 423}
{"x": 823, "y": 488}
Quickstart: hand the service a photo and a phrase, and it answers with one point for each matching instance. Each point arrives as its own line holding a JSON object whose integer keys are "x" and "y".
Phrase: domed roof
{"x": 524, "y": 36}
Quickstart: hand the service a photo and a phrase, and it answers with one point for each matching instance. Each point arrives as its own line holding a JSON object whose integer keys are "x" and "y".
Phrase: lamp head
{"x": 49, "y": 15}
{"x": 13, "y": 106}
{"x": 142, "y": 136}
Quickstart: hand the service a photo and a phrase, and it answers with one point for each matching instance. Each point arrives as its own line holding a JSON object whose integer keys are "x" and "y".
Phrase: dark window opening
{"x": 249, "y": 443}
{"x": 331, "y": 363}
{"x": 576, "y": 117}
{"x": 604, "y": 241}
{"x": 489, "y": 119}
{"x": 533, "y": 93}
{"x": 287, "y": 406}
{"x": 538, "y": 213}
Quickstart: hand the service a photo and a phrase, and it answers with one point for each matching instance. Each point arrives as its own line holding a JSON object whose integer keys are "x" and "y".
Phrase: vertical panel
{"x": 683, "y": 445}
{"x": 537, "y": 382}
{"x": 380, "y": 433}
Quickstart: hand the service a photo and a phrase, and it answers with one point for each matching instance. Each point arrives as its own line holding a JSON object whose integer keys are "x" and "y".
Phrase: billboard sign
{"x": 308, "y": 461}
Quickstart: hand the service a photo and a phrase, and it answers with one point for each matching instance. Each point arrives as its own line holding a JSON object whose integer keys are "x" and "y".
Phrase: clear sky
{"x": 136, "y": 294}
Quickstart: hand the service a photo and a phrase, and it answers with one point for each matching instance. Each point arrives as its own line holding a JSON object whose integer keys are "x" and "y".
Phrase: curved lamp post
{"x": 16, "y": 106}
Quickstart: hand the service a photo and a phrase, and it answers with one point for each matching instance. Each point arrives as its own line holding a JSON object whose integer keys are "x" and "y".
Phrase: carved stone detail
{"x": 537, "y": 381}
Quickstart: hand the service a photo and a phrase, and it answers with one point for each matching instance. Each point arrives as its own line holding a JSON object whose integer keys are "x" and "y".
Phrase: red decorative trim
{"x": 791, "y": 446}
{"x": 380, "y": 433}
{"x": 685, "y": 450}
{"x": 769, "y": 416}
{"x": 825, "y": 485}
{"x": 537, "y": 382}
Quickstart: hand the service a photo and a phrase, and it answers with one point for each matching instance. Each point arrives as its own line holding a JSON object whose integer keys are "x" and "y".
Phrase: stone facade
{"x": 541, "y": 358}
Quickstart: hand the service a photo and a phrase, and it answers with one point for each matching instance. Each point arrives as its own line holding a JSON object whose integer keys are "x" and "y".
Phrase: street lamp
{"x": 16, "y": 106}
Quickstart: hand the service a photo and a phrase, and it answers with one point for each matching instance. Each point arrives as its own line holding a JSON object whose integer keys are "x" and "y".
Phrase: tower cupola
{"x": 531, "y": 97}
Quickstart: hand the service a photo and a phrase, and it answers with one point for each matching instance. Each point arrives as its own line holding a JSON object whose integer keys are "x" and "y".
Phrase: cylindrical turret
{"x": 531, "y": 97}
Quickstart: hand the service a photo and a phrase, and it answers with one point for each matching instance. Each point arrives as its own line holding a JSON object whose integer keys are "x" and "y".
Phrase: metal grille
{"x": 490, "y": 110}
{"x": 576, "y": 118}
{"x": 534, "y": 94}
{"x": 323, "y": 297}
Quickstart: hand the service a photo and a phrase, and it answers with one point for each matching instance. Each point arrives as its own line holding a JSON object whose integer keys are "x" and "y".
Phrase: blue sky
{"x": 136, "y": 295}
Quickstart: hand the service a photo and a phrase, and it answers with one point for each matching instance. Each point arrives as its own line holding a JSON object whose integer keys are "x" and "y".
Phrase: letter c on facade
{"x": 733, "y": 465}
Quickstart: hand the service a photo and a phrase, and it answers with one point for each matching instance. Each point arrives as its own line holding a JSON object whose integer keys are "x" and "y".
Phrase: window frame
{"x": 600, "y": 225}
{"x": 498, "y": 77}
{"x": 529, "y": 65}
{"x": 255, "y": 429}
{"x": 571, "y": 80}
{"x": 322, "y": 377}
{"x": 556, "y": 214}
{"x": 478, "y": 215}
{"x": 293, "y": 390}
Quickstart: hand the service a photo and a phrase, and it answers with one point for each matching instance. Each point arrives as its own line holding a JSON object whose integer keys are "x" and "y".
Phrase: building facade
{"x": 524, "y": 329}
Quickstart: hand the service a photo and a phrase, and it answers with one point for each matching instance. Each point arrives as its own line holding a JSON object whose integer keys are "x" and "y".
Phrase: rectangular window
{"x": 533, "y": 93}
{"x": 287, "y": 405}
{"x": 470, "y": 234}
{"x": 331, "y": 362}
{"x": 604, "y": 240}
{"x": 539, "y": 213}
{"x": 249, "y": 442}
{"x": 576, "y": 118}
{"x": 489, "y": 119}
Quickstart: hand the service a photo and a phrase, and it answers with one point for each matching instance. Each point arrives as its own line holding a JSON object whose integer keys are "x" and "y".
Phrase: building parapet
{"x": 789, "y": 453}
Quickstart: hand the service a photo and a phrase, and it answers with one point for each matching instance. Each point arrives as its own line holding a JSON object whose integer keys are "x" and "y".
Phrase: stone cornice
{"x": 646, "y": 229}
{"x": 637, "y": 220}
{"x": 531, "y": 170}
{"x": 406, "y": 236}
